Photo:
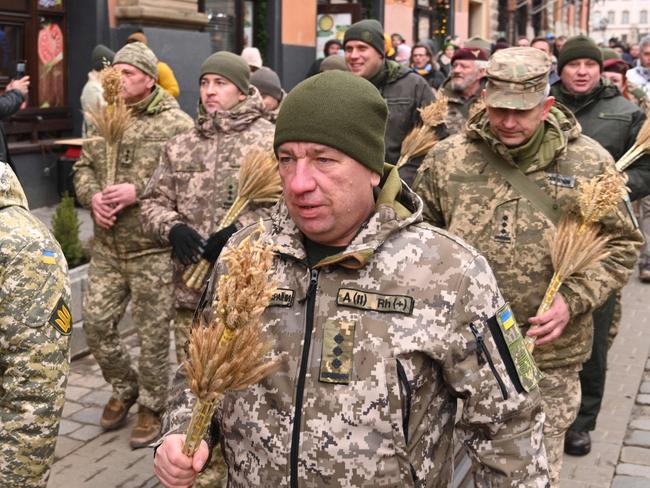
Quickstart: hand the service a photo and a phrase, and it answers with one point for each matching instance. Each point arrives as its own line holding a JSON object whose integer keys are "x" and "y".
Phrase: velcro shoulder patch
{"x": 365, "y": 300}
{"x": 283, "y": 297}
{"x": 61, "y": 318}
{"x": 519, "y": 362}
{"x": 336, "y": 356}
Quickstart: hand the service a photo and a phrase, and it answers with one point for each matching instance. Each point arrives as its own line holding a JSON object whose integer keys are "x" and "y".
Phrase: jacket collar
{"x": 235, "y": 120}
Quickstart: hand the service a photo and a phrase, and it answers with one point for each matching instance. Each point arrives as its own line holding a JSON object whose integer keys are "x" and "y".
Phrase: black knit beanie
{"x": 579, "y": 47}
{"x": 369, "y": 31}
{"x": 101, "y": 57}
{"x": 339, "y": 110}
{"x": 231, "y": 67}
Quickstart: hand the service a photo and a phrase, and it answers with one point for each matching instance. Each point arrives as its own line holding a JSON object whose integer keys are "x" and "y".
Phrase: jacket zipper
{"x": 482, "y": 354}
{"x": 406, "y": 387}
{"x": 310, "y": 298}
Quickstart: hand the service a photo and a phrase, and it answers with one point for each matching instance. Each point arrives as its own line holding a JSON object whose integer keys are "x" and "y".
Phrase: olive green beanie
{"x": 231, "y": 67}
{"x": 578, "y": 47}
{"x": 369, "y": 31}
{"x": 339, "y": 110}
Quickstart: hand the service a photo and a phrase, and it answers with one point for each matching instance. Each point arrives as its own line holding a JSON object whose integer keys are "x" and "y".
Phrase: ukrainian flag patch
{"x": 48, "y": 257}
{"x": 505, "y": 317}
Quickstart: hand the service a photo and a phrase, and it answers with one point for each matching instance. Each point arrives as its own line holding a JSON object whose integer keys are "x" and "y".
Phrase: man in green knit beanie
{"x": 614, "y": 122}
{"x": 403, "y": 90}
{"x": 370, "y": 301}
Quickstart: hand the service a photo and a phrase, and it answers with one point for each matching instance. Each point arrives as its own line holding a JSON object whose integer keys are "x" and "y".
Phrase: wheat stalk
{"x": 228, "y": 354}
{"x": 259, "y": 181}
{"x": 640, "y": 147}
{"x": 423, "y": 137}
{"x": 112, "y": 119}
{"x": 576, "y": 243}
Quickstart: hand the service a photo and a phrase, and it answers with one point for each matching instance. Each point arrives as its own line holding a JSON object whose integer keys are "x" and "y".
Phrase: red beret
{"x": 615, "y": 66}
{"x": 470, "y": 53}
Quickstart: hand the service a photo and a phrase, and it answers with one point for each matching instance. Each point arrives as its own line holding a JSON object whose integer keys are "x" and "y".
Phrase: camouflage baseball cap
{"x": 517, "y": 78}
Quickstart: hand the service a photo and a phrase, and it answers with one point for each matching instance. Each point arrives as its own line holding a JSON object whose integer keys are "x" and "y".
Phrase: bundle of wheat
{"x": 229, "y": 352}
{"x": 111, "y": 120}
{"x": 640, "y": 147}
{"x": 423, "y": 137}
{"x": 576, "y": 243}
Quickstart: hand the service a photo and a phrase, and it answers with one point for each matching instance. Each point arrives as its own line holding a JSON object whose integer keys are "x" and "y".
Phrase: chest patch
{"x": 338, "y": 347}
{"x": 283, "y": 297}
{"x": 364, "y": 300}
{"x": 561, "y": 180}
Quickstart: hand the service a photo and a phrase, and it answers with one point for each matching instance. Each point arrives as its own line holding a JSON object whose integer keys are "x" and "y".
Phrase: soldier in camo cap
{"x": 386, "y": 322}
{"x": 35, "y": 325}
{"x": 471, "y": 184}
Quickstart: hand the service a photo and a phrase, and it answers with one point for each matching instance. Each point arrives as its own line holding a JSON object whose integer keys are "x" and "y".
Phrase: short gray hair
{"x": 644, "y": 42}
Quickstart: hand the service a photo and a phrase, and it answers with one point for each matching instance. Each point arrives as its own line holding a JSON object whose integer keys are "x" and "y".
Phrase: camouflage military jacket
{"x": 382, "y": 339}
{"x": 35, "y": 324}
{"x": 465, "y": 194}
{"x": 158, "y": 118}
{"x": 638, "y": 97}
{"x": 459, "y": 108}
{"x": 196, "y": 180}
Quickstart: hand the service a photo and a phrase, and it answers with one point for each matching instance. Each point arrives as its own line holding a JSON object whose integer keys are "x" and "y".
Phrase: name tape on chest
{"x": 365, "y": 300}
{"x": 283, "y": 297}
{"x": 561, "y": 180}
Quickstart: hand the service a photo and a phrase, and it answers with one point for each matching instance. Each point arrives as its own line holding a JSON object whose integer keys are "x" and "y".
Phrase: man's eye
{"x": 324, "y": 160}
{"x": 284, "y": 159}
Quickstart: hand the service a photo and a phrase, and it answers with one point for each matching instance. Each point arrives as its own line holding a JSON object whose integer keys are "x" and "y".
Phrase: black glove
{"x": 216, "y": 242}
{"x": 186, "y": 243}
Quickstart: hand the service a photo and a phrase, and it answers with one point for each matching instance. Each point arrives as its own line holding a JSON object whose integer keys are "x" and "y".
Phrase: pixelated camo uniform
{"x": 196, "y": 181}
{"x": 459, "y": 109}
{"x": 158, "y": 118}
{"x": 35, "y": 324}
{"x": 382, "y": 339}
{"x": 463, "y": 193}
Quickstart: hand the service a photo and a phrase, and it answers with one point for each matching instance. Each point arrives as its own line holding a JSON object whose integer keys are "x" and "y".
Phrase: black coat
{"x": 613, "y": 121}
{"x": 9, "y": 105}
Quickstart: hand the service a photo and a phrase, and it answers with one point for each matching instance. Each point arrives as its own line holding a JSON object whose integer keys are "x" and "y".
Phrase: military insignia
{"x": 48, "y": 257}
{"x": 476, "y": 53}
{"x": 336, "y": 356}
{"x": 283, "y": 297}
{"x": 349, "y": 297}
{"x": 518, "y": 360}
{"x": 561, "y": 180}
{"x": 61, "y": 318}
{"x": 366, "y": 36}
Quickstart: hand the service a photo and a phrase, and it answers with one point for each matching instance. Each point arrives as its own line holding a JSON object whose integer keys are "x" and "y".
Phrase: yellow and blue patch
{"x": 48, "y": 257}
{"x": 505, "y": 317}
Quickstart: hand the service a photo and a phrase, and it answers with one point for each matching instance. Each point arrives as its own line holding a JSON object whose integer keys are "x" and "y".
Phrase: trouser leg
{"x": 104, "y": 303}
{"x": 560, "y": 390}
{"x": 150, "y": 279}
{"x": 592, "y": 376}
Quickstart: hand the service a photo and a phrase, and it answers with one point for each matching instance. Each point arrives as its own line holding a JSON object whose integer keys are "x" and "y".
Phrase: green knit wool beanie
{"x": 231, "y": 67}
{"x": 369, "y": 31}
{"x": 339, "y": 110}
{"x": 267, "y": 82}
{"x": 609, "y": 53}
{"x": 579, "y": 47}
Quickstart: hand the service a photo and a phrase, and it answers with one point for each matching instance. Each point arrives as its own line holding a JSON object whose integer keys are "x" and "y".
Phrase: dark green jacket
{"x": 613, "y": 121}
{"x": 404, "y": 92}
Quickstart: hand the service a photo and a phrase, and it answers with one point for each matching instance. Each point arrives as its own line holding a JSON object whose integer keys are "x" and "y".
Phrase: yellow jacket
{"x": 167, "y": 80}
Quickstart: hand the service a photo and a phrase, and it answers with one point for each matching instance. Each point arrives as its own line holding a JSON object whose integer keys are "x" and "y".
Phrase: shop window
{"x": 12, "y": 50}
{"x": 51, "y": 79}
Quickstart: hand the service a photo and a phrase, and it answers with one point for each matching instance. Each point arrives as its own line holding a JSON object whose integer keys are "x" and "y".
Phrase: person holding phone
{"x": 10, "y": 102}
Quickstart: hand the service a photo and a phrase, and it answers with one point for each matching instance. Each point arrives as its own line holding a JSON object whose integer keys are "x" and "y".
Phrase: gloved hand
{"x": 187, "y": 243}
{"x": 216, "y": 242}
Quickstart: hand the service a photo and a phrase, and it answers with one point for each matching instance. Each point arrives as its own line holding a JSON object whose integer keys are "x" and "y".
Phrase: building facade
{"x": 627, "y": 20}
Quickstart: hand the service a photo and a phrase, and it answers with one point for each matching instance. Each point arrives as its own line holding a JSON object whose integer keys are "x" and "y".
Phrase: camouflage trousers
{"x": 215, "y": 475}
{"x": 644, "y": 223}
{"x": 145, "y": 282}
{"x": 560, "y": 390}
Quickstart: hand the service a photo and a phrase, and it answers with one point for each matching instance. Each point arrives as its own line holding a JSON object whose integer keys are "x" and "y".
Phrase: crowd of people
{"x": 445, "y": 255}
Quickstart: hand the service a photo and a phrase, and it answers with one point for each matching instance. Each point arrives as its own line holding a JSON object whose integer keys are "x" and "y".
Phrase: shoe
{"x": 644, "y": 275}
{"x": 577, "y": 443}
{"x": 147, "y": 428}
{"x": 115, "y": 413}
